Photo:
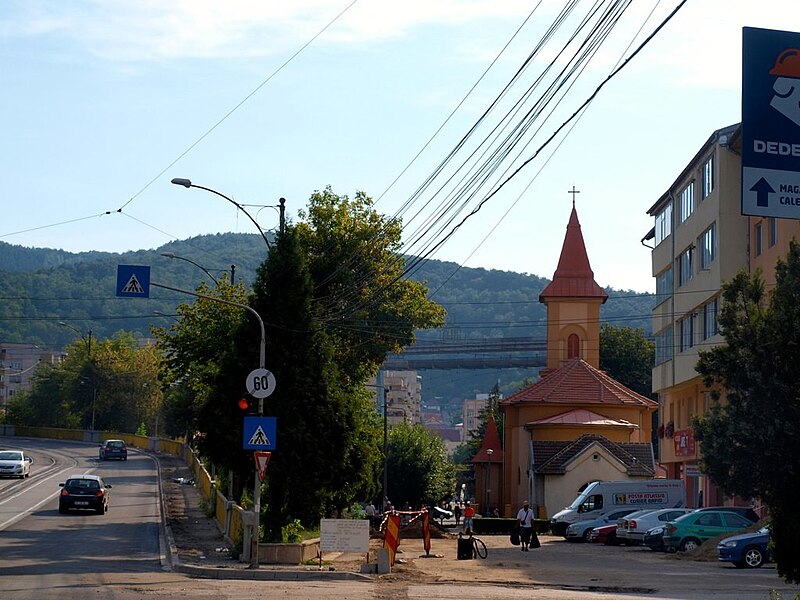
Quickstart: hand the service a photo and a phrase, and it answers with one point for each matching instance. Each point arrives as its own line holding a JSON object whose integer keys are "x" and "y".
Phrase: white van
{"x": 601, "y": 497}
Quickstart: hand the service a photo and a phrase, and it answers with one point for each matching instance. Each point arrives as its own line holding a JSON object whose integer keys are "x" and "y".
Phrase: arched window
{"x": 573, "y": 346}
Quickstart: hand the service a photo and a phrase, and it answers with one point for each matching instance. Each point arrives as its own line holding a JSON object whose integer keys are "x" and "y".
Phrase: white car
{"x": 631, "y": 528}
{"x": 14, "y": 463}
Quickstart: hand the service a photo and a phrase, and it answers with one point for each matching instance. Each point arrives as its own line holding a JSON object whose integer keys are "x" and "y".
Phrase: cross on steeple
{"x": 573, "y": 191}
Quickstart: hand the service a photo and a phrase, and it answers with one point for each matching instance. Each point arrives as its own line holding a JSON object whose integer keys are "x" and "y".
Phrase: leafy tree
{"x": 114, "y": 389}
{"x": 627, "y": 355}
{"x": 418, "y": 467}
{"x": 751, "y": 437}
{"x": 334, "y": 303}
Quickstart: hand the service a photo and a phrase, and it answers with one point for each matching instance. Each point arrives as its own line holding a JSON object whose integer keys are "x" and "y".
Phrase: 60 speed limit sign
{"x": 260, "y": 383}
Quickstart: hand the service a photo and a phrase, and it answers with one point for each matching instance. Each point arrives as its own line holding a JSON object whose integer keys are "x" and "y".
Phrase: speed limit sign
{"x": 260, "y": 383}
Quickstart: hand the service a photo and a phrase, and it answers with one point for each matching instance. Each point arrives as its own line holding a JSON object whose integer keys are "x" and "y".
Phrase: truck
{"x": 599, "y": 498}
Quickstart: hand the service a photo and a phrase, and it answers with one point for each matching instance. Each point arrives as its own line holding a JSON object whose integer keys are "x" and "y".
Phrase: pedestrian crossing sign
{"x": 133, "y": 281}
{"x": 259, "y": 433}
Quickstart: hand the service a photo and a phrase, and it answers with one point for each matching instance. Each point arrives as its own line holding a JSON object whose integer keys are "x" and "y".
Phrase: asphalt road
{"x": 44, "y": 550}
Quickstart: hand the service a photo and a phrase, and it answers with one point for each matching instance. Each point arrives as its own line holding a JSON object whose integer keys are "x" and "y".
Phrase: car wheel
{"x": 753, "y": 558}
{"x": 62, "y": 510}
{"x": 101, "y": 510}
{"x": 586, "y": 534}
{"x": 689, "y": 544}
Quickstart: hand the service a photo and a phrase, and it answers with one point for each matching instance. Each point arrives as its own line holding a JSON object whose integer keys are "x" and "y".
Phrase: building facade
{"x": 17, "y": 365}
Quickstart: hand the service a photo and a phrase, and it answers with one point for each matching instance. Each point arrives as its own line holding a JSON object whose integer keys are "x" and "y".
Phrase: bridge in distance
{"x": 484, "y": 353}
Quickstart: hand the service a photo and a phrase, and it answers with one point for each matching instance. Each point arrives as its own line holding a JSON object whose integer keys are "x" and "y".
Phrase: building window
{"x": 710, "y": 327}
{"x": 687, "y": 333}
{"x": 664, "y": 223}
{"x": 687, "y": 202}
{"x": 708, "y": 177}
{"x": 663, "y": 285}
{"x": 573, "y": 346}
{"x": 759, "y": 240}
{"x": 708, "y": 246}
{"x": 773, "y": 231}
{"x": 686, "y": 266}
{"x": 664, "y": 346}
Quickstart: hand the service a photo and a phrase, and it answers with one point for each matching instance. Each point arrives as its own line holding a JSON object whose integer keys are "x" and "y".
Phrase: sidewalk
{"x": 194, "y": 543}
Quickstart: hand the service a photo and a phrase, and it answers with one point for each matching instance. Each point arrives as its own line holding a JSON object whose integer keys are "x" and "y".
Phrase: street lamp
{"x": 489, "y": 452}
{"x": 206, "y": 271}
{"x": 87, "y": 341}
{"x": 187, "y": 183}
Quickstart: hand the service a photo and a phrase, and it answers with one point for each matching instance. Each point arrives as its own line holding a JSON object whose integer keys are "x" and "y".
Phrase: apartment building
{"x": 402, "y": 396}
{"x": 700, "y": 240}
{"x": 17, "y": 364}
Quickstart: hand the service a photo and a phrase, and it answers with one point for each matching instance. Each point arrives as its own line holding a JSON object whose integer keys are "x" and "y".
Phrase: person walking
{"x": 525, "y": 521}
{"x": 457, "y": 512}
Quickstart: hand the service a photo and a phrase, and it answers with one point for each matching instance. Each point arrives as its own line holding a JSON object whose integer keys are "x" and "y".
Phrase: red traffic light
{"x": 244, "y": 404}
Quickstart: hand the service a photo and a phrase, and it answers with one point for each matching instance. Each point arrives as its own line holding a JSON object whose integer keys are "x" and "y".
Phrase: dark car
{"x": 654, "y": 539}
{"x": 87, "y": 492}
{"x": 114, "y": 449}
{"x": 746, "y": 550}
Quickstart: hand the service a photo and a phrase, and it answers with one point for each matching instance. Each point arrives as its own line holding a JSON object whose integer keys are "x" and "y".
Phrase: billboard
{"x": 770, "y": 123}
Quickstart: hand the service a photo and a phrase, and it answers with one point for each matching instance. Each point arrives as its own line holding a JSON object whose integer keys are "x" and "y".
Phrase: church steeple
{"x": 573, "y": 302}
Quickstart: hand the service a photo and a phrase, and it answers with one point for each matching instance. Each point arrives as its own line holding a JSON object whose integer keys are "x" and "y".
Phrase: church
{"x": 576, "y": 424}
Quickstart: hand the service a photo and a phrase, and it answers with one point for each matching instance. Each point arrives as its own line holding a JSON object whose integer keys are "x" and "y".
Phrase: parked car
{"x": 689, "y": 531}
{"x": 654, "y": 539}
{"x": 114, "y": 449}
{"x": 14, "y": 463}
{"x": 746, "y": 511}
{"x": 87, "y": 492}
{"x": 580, "y": 531}
{"x": 632, "y": 528}
{"x": 749, "y": 550}
{"x": 606, "y": 534}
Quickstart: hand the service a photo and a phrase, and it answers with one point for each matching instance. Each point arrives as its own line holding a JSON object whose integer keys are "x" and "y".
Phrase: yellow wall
{"x": 573, "y": 315}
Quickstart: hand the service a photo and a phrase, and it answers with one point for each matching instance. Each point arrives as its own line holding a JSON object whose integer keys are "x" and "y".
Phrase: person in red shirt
{"x": 469, "y": 512}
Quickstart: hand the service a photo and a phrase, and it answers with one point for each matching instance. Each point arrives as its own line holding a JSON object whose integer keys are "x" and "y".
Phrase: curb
{"x": 268, "y": 574}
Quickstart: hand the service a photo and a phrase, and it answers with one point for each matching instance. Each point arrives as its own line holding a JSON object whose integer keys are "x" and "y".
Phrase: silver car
{"x": 14, "y": 463}
{"x": 631, "y": 529}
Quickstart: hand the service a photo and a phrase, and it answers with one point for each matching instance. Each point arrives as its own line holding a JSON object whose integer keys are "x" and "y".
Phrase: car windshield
{"x": 10, "y": 455}
{"x": 115, "y": 444}
{"x": 88, "y": 484}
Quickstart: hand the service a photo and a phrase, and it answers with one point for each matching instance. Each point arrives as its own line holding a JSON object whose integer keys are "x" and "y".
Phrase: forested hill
{"x": 40, "y": 287}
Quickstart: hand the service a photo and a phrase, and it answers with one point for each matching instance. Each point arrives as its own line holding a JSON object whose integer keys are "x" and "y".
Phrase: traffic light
{"x": 244, "y": 404}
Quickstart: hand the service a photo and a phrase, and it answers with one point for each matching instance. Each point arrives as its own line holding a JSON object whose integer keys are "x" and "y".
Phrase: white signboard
{"x": 344, "y": 535}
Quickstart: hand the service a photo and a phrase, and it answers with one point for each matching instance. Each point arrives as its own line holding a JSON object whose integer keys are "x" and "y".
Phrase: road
{"x": 47, "y": 555}
{"x": 42, "y": 549}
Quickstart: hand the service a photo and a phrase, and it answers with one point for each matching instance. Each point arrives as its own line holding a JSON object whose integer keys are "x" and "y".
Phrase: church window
{"x": 573, "y": 346}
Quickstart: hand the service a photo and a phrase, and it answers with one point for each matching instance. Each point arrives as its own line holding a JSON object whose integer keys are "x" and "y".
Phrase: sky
{"x": 103, "y": 102}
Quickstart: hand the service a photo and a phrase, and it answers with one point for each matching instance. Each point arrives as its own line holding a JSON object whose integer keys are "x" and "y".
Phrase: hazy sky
{"x": 103, "y": 102}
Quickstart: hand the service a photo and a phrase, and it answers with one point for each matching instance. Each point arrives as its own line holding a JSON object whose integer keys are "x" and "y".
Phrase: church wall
{"x": 561, "y": 490}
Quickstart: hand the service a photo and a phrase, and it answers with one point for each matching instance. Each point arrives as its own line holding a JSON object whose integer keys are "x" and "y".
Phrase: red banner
{"x": 684, "y": 442}
{"x": 392, "y": 536}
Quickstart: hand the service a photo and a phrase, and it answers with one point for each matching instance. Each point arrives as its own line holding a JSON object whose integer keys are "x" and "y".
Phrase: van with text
{"x": 601, "y": 497}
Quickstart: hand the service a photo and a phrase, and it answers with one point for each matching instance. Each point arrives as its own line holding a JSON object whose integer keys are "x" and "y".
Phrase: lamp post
{"x": 86, "y": 340}
{"x": 189, "y": 260}
{"x": 187, "y": 183}
{"x": 489, "y": 452}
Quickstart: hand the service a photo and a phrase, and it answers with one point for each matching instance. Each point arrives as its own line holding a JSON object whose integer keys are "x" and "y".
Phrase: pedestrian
{"x": 469, "y": 512}
{"x": 457, "y": 512}
{"x": 525, "y": 521}
{"x": 371, "y": 513}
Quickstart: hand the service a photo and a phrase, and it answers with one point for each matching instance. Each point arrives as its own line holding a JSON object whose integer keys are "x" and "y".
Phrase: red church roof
{"x": 577, "y": 383}
{"x": 491, "y": 440}
{"x": 574, "y": 277}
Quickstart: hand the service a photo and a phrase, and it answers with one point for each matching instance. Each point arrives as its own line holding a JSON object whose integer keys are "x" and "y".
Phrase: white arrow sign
{"x": 260, "y": 383}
